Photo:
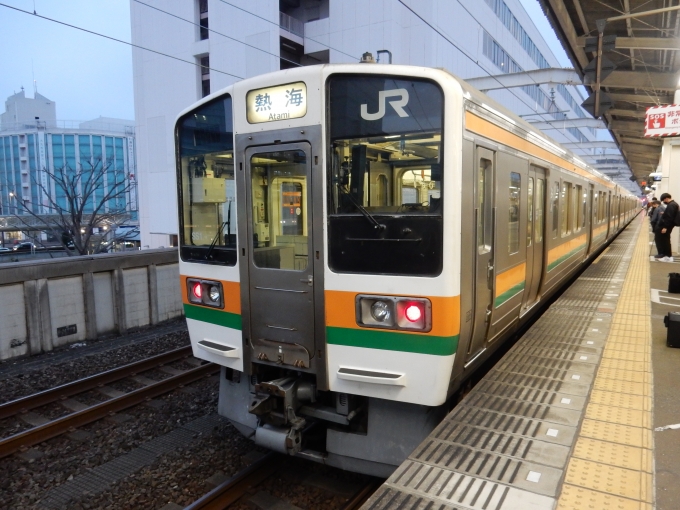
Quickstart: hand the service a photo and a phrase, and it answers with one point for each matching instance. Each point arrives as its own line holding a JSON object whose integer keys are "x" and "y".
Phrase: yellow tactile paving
{"x": 612, "y": 462}
{"x": 579, "y": 498}
{"x": 614, "y": 480}
{"x": 619, "y": 415}
{"x": 616, "y": 454}
{"x": 624, "y": 375}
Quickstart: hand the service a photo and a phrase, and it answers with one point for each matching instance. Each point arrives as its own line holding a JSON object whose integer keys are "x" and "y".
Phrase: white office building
{"x": 238, "y": 39}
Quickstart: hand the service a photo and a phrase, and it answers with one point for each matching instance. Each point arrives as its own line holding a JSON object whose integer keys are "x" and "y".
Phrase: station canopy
{"x": 639, "y": 68}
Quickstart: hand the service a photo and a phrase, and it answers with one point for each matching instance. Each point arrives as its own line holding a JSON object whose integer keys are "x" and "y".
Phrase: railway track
{"x": 54, "y": 428}
{"x": 242, "y": 484}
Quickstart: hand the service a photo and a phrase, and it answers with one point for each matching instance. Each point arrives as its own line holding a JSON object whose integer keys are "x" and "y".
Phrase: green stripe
{"x": 513, "y": 291}
{"x": 565, "y": 257}
{"x": 393, "y": 341}
{"x": 213, "y": 316}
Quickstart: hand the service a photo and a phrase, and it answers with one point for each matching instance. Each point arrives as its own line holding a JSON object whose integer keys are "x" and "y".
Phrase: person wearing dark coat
{"x": 664, "y": 227}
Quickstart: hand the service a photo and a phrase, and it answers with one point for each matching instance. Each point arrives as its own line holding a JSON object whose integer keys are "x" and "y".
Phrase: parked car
{"x": 3, "y": 249}
{"x": 27, "y": 246}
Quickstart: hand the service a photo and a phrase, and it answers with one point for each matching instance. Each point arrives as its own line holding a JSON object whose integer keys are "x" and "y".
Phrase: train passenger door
{"x": 534, "y": 236}
{"x": 484, "y": 235}
{"x": 281, "y": 297}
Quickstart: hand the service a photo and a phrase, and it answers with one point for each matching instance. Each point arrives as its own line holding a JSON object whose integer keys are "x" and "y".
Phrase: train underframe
{"x": 282, "y": 410}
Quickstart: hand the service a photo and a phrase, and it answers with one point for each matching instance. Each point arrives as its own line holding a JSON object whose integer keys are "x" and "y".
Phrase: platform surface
{"x": 570, "y": 418}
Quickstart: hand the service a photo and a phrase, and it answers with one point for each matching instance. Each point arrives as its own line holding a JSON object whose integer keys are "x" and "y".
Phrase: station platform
{"x": 581, "y": 412}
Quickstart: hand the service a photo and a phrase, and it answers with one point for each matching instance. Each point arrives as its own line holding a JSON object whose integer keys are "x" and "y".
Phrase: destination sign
{"x": 277, "y": 103}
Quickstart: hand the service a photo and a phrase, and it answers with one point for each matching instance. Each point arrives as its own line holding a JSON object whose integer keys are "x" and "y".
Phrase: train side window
{"x": 530, "y": 210}
{"x": 577, "y": 208}
{"x": 555, "y": 205}
{"x": 538, "y": 220}
{"x": 583, "y": 206}
{"x": 484, "y": 185}
{"x": 513, "y": 212}
{"x": 564, "y": 208}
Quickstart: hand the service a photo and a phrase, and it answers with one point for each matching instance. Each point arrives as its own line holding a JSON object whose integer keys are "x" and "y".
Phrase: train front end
{"x": 320, "y": 255}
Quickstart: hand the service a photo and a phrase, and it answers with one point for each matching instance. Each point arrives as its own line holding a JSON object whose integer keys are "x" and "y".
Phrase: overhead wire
{"x": 472, "y": 59}
{"x": 117, "y": 40}
{"x": 216, "y": 32}
{"x": 276, "y": 24}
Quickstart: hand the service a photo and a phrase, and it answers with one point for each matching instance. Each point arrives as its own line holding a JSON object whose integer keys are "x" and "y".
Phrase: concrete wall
{"x": 49, "y": 303}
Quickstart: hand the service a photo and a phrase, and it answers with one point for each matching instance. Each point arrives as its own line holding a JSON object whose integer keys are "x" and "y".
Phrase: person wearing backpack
{"x": 662, "y": 235}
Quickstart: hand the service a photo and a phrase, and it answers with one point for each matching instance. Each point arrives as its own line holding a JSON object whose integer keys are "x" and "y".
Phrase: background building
{"x": 32, "y": 141}
{"x": 231, "y": 40}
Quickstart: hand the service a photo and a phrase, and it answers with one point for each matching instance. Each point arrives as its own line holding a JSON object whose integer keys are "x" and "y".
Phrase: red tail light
{"x": 197, "y": 290}
{"x": 413, "y": 312}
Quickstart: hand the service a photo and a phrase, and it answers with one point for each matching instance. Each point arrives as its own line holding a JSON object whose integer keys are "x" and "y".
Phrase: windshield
{"x": 385, "y": 176}
{"x": 207, "y": 193}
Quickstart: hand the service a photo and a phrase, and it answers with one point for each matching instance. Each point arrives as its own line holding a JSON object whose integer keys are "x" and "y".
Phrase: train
{"x": 355, "y": 240}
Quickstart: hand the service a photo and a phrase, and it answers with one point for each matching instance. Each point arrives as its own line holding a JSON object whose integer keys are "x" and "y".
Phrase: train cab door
{"x": 534, "y": 236}
{"x": 280, "y": 306}
{"x": 484, "y": 251}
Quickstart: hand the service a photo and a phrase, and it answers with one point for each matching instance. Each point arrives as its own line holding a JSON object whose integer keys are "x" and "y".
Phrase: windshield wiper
{"x": 219, "y": 233}
{"x": 214, "y": 241}
{"x": 366, "y": 214}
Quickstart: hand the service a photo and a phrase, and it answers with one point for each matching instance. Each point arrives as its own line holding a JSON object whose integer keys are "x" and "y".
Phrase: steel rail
{"x": 81, "y": 385}
{"x": 59, "y": 426}
{"x": 362, "y": 495}
{"x": 233, "y": 489}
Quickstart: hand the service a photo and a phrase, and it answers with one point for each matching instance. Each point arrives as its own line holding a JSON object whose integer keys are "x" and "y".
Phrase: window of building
{"x": 203, "y": 19}
{"x": 205, "y": 75}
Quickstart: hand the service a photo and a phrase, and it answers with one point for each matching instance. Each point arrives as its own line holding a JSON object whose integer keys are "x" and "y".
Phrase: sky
{"x": 85, "y": 75}
{"x": 88, "y": 76}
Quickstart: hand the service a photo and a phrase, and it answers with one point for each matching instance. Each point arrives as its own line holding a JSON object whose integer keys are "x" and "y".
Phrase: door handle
{"x": 489, "y": 274}
{"x": 309, "y": 280}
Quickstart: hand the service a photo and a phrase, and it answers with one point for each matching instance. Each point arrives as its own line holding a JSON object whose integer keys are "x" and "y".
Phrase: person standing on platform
{"x": 664, "y": 227}
{"x": 655, "y": 211}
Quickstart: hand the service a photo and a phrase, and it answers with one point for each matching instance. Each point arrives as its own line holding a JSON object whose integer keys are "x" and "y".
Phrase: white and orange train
{"x": 355, "y": 240}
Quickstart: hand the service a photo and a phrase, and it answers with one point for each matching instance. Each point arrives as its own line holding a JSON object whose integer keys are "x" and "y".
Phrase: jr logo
{"x": 397, "y": 104}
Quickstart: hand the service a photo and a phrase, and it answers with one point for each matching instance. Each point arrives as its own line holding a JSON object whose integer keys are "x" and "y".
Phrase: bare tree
{"x": 77, "y": 203}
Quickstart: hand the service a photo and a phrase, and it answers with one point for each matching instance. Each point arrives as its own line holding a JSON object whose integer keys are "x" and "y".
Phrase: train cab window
{"x": 538, "y": 220}
{"x": 385, "y": 175}
{"x": 530, "y": 210}
{"x": 555, "y": 208}
{"x": 207, "y": 192}
{"x": 514, "y": 191}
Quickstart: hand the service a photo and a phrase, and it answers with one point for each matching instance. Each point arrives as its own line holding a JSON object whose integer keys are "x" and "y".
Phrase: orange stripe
{"x": 341, "y": 312}
{"x": 489, "y": 130}
{"x": 508, "y": 279}
{"x": 565, "y": 248}
{"x": 232, "y": 294}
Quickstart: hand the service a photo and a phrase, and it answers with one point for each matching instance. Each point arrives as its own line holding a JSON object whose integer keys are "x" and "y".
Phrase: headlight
{"x": 380, "y": 311}
{"x": 215, "y": 294}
